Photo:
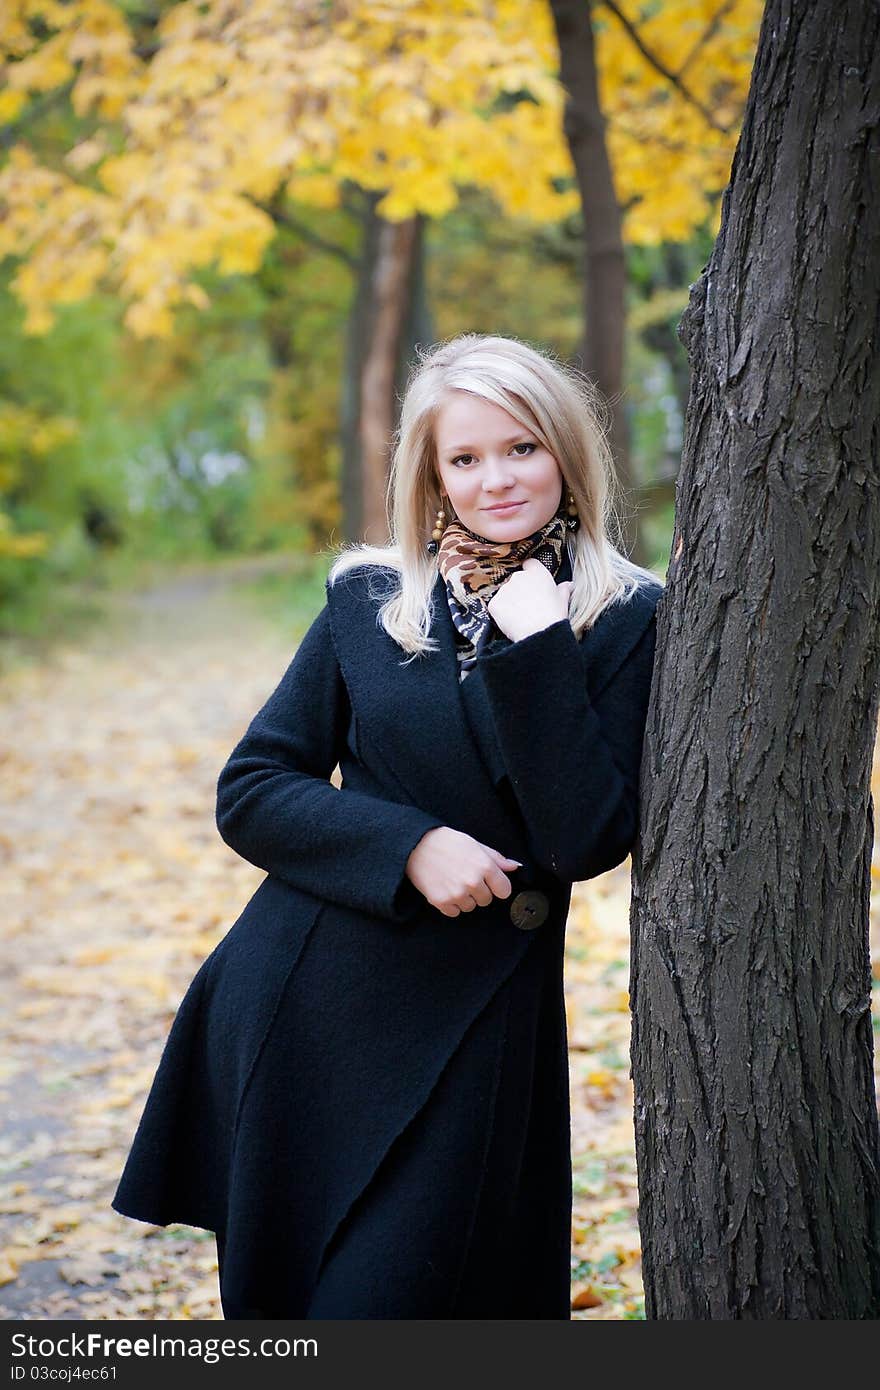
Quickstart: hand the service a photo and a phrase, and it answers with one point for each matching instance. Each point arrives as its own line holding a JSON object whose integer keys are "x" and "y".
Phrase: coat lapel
{"x": 472, "y": 691}
{"x": 397, "y": 701}
{"x": 472, "y": 699}
{"x": 415, "y": 715}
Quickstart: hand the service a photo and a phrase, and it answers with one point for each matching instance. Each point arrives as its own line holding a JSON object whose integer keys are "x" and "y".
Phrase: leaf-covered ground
{"x": 117, "y": 886}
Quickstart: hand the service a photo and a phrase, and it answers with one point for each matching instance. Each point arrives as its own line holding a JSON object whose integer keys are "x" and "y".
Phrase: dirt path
{"x": 118, "y": 886}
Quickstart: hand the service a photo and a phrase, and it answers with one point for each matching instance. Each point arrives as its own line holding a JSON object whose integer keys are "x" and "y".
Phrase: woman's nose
{"x": 497, "y": 474}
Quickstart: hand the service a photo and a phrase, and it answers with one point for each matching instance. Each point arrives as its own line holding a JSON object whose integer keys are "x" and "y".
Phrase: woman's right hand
{"x": 457, "y": 873}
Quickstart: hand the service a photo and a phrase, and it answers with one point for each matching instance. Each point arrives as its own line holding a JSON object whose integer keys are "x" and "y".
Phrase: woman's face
{"x": 502, "y": 483}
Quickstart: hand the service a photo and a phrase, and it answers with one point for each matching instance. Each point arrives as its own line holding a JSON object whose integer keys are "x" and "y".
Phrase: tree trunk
{"x": 392, "y": 276}
{"x": 357, "y": 342}
{"x": 388, "y": 311}
{"x": 605, "y": 264}
{"x": 755, "y": 1114}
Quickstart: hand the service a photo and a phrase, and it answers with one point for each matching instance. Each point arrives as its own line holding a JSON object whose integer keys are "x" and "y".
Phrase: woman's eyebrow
{"x": 505, "y": 443}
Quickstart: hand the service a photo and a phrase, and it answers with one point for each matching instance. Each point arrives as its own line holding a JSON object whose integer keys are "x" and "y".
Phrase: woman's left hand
{"x": 529, "y": 601}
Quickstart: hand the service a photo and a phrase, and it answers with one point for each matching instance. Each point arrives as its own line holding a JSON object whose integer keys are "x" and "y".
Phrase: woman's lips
{"x": 505, "y": 507}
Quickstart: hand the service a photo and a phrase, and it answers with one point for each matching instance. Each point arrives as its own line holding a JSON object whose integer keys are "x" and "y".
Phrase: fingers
{"x": 493, "y": 885}
{"x": 495, "y": 877}
{"x": 465, "y": 903}
{"x": 480, "y": 895}
{"x": 499, "y": 882}
{"x": 484, "y": 880}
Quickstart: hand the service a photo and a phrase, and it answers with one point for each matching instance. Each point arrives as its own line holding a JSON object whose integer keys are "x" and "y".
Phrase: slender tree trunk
{"x": 605, "y": 264}
{"x": 419, "y": 327}
{"x": 391, "y": 293}
{"x": 755, "y": 1113}
{"x": 388, "y": 311}
{"x": 357, "y": 343}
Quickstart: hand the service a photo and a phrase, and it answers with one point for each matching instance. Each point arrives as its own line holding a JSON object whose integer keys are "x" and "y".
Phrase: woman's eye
{"x": 525, "y": 444}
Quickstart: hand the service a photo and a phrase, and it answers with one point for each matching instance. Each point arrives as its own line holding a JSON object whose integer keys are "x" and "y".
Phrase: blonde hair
{"x": 563, "y": 410}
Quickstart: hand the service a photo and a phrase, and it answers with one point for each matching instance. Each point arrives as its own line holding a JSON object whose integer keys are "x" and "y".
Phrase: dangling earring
{"x": 572, "y": 519}
{"x": 436, "y": 535}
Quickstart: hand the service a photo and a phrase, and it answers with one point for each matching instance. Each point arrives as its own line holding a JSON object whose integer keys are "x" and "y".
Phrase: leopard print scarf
{"x": 474, "y": 568}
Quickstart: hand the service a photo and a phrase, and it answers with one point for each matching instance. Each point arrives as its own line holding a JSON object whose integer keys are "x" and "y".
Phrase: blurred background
{"x": 224, "y": 228}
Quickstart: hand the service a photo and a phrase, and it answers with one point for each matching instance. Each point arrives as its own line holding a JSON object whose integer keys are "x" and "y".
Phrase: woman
{"x": 365, "y": 1090}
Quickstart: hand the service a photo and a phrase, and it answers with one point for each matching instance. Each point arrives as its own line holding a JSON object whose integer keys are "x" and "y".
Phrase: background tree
{"x": 756, "y": 1122}
{"x": 663, "y": 96}
{"x": 204, "y": 132}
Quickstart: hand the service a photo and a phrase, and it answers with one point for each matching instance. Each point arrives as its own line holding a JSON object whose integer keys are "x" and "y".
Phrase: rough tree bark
{"x": 604, "y": 261}
{"x": 755, "y": 1113}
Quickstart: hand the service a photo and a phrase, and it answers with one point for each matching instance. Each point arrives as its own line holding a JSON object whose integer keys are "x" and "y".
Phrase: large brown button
{"x": 529, "y": 909}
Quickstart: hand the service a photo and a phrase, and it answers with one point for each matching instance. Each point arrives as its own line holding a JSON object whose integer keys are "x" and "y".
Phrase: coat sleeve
{"x": 573, "y": 764}
{"x": 277, "y": 808}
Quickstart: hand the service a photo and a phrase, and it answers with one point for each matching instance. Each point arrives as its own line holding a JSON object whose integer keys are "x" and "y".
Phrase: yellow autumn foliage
{"x": 238, "y": 99}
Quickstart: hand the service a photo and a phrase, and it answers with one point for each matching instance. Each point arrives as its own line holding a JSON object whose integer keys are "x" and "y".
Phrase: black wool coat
{"x": 360, "y": 1095}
